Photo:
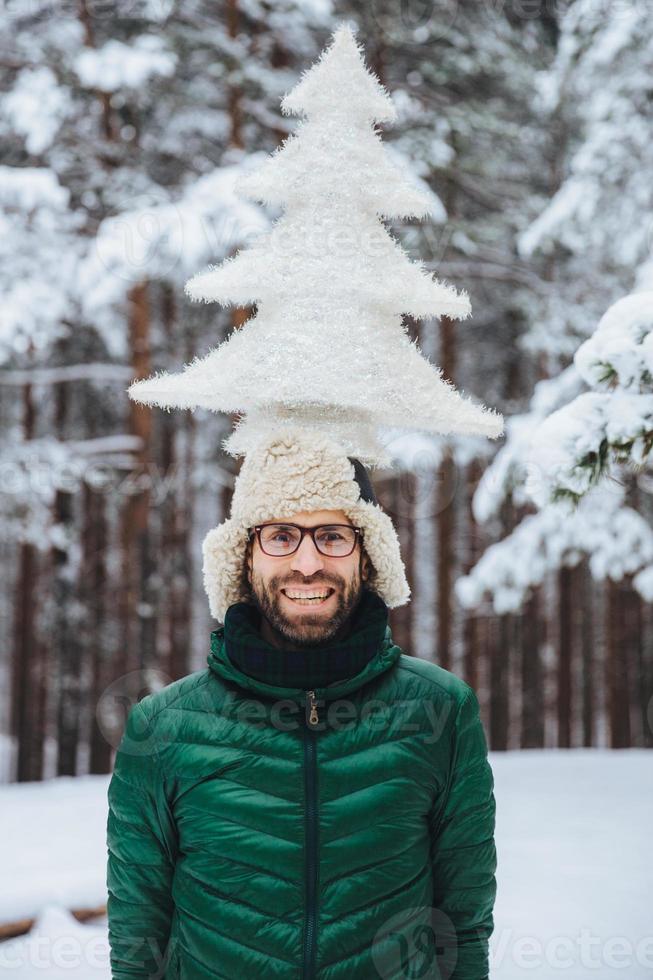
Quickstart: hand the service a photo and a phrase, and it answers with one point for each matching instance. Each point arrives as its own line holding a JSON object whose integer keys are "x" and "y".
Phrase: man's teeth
{"x": 307, "y": 596}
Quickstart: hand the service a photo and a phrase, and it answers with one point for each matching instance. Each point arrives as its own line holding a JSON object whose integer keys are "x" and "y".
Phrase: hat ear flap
{"x": 222, "y": 569}
{"x": 381, "y": 542}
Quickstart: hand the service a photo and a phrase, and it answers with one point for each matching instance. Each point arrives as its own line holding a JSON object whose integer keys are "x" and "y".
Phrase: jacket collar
{"x": 240, "y": 654}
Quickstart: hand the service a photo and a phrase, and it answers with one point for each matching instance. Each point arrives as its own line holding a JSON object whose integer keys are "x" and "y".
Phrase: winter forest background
{"x": 123, "y": 127}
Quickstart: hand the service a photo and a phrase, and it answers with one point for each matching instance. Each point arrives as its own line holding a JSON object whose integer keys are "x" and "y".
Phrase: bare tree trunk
{"x": 68, "y": 625}
{"x": 181, "y": 653}
{"x": 645, "y": 687}
{"x": 588, "y": 664}
{"x": 632, "y": 645}
{"x": 134, "y": 544}
{"x": 27, "y": 666}
{"x": 532, "y": 708}
{"x": 616, "y": 670}
{"x": 27, "y": 672}
{"x": 644, "y": 698}
{"x": 67, "y": 642}
{"x": 471, "y": 653}
{"x": 93, "y": 591}
{"x": 446, "y": 516}
{"x": 445, "y": 558}
{"x": 233, "y": 91}
{"x": 499, "y": 654}
{"x": 565, "y": 652}
{"x": 176, "y": 511}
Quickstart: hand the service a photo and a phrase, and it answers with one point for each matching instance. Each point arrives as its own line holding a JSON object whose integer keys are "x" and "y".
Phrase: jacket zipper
{"x": 311, "y": 869}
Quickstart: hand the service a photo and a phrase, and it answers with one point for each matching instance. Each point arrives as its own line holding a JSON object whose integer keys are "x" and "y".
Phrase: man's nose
{"x": 307, "y": 559}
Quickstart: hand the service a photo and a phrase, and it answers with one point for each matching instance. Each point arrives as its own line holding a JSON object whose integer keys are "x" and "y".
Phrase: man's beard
{"x": 311, "y": 628}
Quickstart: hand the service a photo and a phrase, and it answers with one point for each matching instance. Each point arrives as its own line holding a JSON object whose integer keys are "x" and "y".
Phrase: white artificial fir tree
{"x": 326, "y": 346}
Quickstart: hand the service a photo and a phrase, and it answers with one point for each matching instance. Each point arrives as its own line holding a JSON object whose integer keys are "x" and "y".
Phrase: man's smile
{"x": 315, "y": 596}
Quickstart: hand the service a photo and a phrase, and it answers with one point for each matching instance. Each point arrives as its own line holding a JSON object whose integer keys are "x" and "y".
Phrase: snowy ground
{"x": 575, "y": 864}
{"x": 575, "y": 879}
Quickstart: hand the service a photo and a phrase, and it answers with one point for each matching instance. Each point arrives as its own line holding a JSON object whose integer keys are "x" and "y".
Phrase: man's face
{"x": 307, "y": 570}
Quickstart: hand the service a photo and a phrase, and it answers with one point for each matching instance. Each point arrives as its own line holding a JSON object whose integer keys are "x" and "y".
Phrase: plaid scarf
{"x": 310, "y": 667}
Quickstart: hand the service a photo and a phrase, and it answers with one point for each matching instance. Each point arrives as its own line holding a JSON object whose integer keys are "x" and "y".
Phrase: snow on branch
{"x": 34, "y": 471}
{"x": 563, "y": 458}
{"x": 117, "y": 65}
{"x": 576, "y": 445}
{"x": 616, "y": 539}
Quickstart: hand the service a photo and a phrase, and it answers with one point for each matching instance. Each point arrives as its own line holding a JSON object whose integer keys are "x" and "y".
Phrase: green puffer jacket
{"x": 252, "y": 839}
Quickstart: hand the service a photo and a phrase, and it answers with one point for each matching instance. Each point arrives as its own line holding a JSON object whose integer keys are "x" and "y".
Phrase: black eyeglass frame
{"x": 256, "y": 529}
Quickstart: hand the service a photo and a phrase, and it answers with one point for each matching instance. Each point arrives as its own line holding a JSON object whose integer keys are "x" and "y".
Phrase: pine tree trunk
{"x": 408, "y": 555}
{"x": 25, "y": 670}
{"x": 532, "y": 707}
{"x": 68, "y": 625}
{"x": 501, "y": 641}
{"x": 499, "y": 653}
{"x": 588, "y": 665}
{"x": 471, "y": 654}
{"x": 446, "y": 517}
{"x": 27, "y": 667}
{"x": 645, "y": 666}
{"x": 445, "y": 558}
{"x": 645, "y": 690}
{"x": 176, "y": 511}
{"x": 565, "y": 649}
{"x": 183, "y": 618}
{"x": 93, "y": 593}
{"x": 631, "y": 610}
{"x": 66, "y": 641}
{"x": 136, "y": 640}
{"x": 616, "y": 670}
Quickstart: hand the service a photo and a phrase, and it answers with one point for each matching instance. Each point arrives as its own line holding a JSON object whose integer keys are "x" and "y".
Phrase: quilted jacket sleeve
{"x": 140, "y": 863}
{"x": 463, "y": 848}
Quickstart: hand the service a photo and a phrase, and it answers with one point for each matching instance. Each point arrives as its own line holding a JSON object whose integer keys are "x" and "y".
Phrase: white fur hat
{"x": 292, "y": 471}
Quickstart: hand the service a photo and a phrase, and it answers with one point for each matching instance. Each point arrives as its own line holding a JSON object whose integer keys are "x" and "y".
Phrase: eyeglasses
{"x": 332, "y": 540}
